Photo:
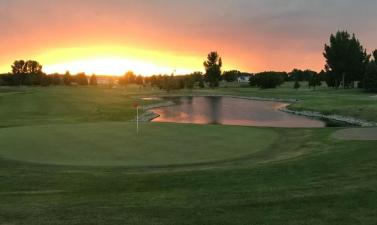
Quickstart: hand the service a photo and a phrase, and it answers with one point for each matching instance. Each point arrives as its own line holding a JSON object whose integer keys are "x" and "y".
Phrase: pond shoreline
{"x": 148, "y": 115}
{"x": 338, "y": 118}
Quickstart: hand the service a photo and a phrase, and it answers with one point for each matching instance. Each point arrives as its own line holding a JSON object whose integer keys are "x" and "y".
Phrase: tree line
{"x": 348, "y": 65}
{"x": 29, "y": 73}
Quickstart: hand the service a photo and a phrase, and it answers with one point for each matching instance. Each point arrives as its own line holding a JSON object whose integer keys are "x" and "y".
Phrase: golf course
{"x": 71, "y": 155}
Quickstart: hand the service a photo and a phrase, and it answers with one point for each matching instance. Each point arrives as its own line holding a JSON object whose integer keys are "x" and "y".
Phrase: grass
{"x": 29, "y": 106}
{"x": 218, "y": 175}
{"x": 117, "y": 144}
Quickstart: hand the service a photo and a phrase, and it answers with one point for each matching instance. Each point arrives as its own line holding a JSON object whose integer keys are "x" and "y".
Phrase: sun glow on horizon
{"x": 117, "y": 60}
{"x": 112, "y": 66}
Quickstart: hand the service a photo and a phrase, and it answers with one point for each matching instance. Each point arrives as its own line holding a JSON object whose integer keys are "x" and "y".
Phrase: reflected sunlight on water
{"x": 231, "y": 111}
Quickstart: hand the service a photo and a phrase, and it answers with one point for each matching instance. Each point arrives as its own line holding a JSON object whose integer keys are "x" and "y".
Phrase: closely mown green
{"x": 118, "y": 144}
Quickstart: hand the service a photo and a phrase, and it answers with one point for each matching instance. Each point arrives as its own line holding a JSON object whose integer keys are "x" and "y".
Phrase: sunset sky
{"x": 163, "y": 36}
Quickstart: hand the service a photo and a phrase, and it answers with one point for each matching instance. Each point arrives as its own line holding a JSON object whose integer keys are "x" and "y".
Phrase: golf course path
{"x": 362, "y": 134}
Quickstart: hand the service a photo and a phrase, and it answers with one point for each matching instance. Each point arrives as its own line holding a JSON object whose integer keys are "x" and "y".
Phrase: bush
{"x": 301, "y": 75}
{"x": 267, "y": 80}
{"x": 297, "y": 85}
{"x": 314, "y": 81}
{"x": 231, "y": 76}
{"x": 82, "y": 79}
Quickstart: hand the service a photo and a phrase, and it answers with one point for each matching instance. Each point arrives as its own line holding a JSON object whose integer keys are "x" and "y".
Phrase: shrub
{"x": 267, "y": 80}
{"x": 297, "y": 85}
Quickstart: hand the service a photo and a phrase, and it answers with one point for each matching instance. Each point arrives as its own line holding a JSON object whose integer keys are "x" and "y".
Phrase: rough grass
{"x": 304, "y": 177}
{"x": 29, "y": 106}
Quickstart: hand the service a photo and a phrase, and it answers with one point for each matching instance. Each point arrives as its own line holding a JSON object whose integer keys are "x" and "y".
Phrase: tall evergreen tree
{"x": 371, "y": 77}
{"x": 346, "y": 59}
{"x": 67, "y": 79}
{"x": 213, "y": 66}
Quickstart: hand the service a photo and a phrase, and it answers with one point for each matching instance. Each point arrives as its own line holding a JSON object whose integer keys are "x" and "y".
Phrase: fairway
{"x": 70, "y": 156}
{"x": 117, "y": 144}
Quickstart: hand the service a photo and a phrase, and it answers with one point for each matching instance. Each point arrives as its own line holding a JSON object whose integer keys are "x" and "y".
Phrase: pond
{"x": 231, "y": 111}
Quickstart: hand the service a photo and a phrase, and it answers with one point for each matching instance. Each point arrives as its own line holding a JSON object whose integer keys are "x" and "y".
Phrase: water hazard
{"x": 231, "y": 111}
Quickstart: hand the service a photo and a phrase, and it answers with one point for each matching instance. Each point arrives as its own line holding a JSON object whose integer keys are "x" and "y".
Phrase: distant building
{"x": 243, "y": 79}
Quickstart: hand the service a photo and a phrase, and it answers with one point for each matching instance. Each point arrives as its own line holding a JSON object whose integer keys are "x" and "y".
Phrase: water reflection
{"x": 231, "y": 111}
{"x": 215, "y": 109}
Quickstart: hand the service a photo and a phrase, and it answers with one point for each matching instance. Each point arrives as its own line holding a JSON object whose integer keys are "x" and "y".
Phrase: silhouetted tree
{"x": 322, "y": 75}
{"x": 375, "y": 56}
{"x": 19, "y": 67}
{"x": 213, "y": 66}
{"x": 198, "y": 78}
{"x": 202, "y": 84}
{"x": 139, "y": 80}
{"x": 67, "y": 79}
{"x": 266, "y": 80}
{"x": 253, "y": 81}
{"x": 7, "y": 79}
{"x": 346, "y": 59}
{"x": 169, "y": 83}
{"x": 231, "y": 76}
{"x": 27, "y": 73}
{"x": 301, "y": 75}
{"x": 81, "y": 79}
{"x": 93, "y": 80}
{"x": 33, "y": 67}
{"x": 56, "y": 79}
{"x": 127, "y": 79}
{"x": 314, "y": 81}
{"x": 297, "y": 85}
{"x": 45, "y": 80}
{"x": 371, "y": 77}
{"x": 189, "y": 82}
{"x": 152, "y": 80}
{"x": 176, "y": 82}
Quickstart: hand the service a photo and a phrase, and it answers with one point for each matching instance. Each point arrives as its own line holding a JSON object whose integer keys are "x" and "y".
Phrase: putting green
{"x": 116, "y": 144}
{"x": 357, "y": 134}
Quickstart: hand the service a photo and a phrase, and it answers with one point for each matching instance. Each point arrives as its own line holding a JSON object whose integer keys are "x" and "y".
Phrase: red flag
{"x": 136, "y": 105}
